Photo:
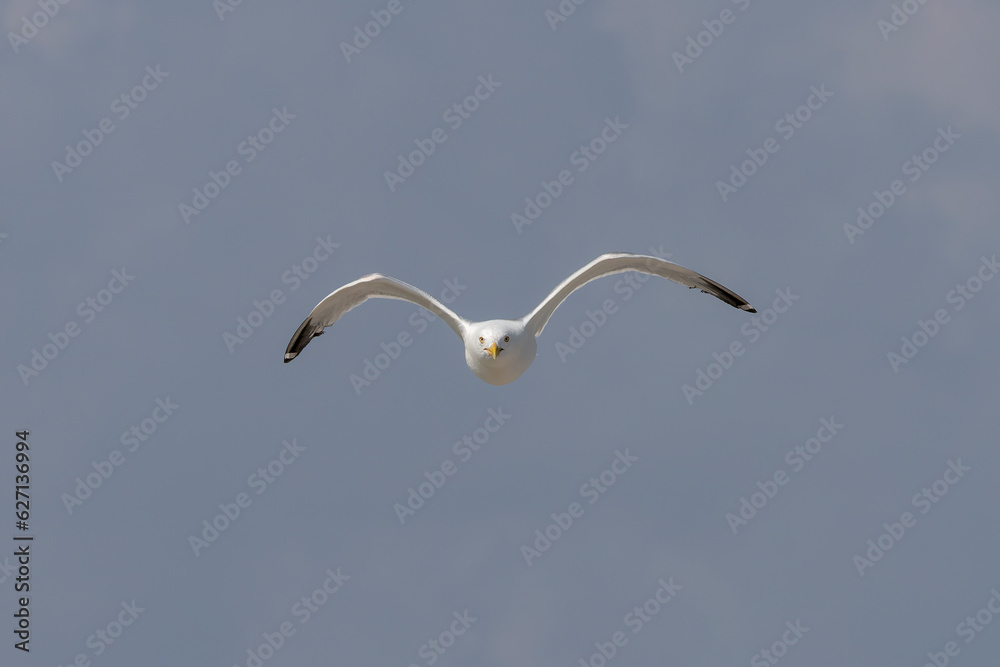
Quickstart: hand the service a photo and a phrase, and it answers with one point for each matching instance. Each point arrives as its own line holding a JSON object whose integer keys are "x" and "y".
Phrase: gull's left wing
{"x": 620, "y": 262}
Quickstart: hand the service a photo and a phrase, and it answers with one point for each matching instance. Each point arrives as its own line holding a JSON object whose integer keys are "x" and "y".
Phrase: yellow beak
{"x": 494, "y": 350}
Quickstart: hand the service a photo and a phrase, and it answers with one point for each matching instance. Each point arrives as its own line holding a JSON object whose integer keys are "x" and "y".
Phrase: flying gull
{"x": 498, "y": 351}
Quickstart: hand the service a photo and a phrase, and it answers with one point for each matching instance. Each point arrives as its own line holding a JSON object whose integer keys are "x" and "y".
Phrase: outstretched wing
{"x": 351, "y": 295}
{"x": 620, "y": 262}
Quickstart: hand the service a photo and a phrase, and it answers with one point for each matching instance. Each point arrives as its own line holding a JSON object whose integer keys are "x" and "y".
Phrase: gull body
{"x": 498, "y": 351}
{"x": 514, "y": 352}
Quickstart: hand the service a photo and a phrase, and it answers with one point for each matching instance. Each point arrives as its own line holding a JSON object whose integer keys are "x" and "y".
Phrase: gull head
{"x": 498, "y": 351}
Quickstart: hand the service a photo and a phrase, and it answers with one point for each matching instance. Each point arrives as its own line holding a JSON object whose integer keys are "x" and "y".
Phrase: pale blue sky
{"x": 622, "y": 133}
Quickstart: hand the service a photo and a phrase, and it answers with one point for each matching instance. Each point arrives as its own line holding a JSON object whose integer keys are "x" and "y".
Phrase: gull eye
{"x": 506, "y": 339}
{"x": 482, "y": 340}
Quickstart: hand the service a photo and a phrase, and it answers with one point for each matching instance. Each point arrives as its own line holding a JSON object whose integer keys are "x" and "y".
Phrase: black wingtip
{"x": 305, "y": 333}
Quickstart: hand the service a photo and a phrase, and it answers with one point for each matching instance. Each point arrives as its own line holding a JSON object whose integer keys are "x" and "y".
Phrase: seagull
{"x": 498, "y": 351}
